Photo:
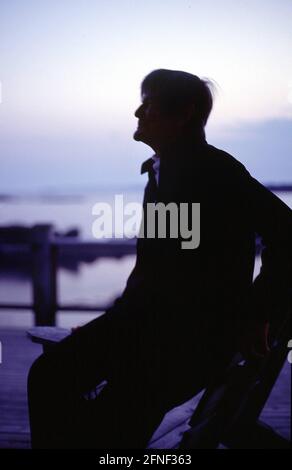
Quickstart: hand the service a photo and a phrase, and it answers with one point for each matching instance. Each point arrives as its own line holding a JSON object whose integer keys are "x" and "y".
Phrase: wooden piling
{"x": 43, "y": 275}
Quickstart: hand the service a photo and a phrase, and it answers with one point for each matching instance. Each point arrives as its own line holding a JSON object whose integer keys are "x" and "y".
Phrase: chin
{"x": 138, "y": 135}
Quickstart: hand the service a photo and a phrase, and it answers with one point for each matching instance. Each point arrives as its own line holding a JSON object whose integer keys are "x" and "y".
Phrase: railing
{"x": 45, "y": 248}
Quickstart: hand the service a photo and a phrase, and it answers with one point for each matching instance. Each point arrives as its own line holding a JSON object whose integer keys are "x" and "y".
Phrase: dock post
{"x": 43, "y": 275}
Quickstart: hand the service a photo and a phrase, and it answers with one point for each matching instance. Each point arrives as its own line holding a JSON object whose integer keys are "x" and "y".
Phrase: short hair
{"x": 176, "y": 89}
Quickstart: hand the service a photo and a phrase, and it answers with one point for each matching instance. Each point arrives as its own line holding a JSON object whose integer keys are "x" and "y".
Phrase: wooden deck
{"x": 18, "y": 353}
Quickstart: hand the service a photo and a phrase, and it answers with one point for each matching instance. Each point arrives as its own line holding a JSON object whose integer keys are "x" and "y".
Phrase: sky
{"x": 70, "y": 74}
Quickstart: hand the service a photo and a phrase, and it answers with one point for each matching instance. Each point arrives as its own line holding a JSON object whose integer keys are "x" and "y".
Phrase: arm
{"x": 270, "y": 298}
{"x": 272, "y": 219}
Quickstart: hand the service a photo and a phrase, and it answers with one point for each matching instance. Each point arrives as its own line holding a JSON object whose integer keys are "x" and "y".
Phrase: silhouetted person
{"x": 184, "y": 312}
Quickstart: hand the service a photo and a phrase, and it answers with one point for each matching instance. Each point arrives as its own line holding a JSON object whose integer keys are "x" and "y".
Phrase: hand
{"x": 254, "y": 342}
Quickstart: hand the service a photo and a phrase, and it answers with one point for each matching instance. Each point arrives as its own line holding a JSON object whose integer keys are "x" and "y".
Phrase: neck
{"x": 181, "y": 143}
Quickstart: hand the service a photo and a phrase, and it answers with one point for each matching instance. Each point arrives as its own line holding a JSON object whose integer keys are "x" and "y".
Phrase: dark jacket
{"x": 210, "y": 290}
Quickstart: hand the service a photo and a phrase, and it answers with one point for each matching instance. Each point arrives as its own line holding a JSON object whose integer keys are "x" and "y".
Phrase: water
{"x": 91, "y": 284}
{"x": 64, "y": 212}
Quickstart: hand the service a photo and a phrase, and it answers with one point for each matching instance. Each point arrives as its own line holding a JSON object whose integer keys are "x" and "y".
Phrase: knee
{"x": 43, "y": 375}
{"x": 37, "y": 373}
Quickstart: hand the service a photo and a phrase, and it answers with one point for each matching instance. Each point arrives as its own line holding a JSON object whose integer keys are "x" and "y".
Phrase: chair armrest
{"x": 47, "y": 336}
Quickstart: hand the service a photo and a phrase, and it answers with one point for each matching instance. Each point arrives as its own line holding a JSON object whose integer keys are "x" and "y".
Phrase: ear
{"x": 187, "y": 114}
{"x": 190, "y": 111}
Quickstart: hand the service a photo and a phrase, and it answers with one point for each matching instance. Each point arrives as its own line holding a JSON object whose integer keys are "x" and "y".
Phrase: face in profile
{"x": 155, "y": 127}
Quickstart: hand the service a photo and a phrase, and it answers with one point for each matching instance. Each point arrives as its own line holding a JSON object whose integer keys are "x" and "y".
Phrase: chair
{"x": 228, "y": 412}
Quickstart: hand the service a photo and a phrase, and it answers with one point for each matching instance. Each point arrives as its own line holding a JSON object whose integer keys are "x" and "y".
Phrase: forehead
{"x": 149, "y": 96}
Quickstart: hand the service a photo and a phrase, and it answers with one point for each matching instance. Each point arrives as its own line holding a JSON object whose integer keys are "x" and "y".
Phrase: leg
{"x": 102, "y": 349}
{"x": 58, "y": 379}
{"x": 123, "y": 418}
{"x": 129, "y": 412}
{"x": 149, "y": 369}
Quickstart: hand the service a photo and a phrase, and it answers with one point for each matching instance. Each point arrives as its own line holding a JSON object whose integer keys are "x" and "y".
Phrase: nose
{"x": 138, "y": 112}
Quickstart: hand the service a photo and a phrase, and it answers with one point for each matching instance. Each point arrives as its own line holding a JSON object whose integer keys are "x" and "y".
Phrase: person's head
{"x": 174, "y": 104}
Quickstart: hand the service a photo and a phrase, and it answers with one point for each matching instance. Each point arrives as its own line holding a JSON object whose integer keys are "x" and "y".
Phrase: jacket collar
{"x": 147, "y": 165}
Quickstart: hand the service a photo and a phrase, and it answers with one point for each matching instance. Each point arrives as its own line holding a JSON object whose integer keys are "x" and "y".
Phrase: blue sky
{"x": 70, "y": 73}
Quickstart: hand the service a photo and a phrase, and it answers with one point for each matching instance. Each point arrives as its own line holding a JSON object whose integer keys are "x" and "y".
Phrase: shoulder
{"x": 217, "y": 175}
{"x": 223, "y": 162}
